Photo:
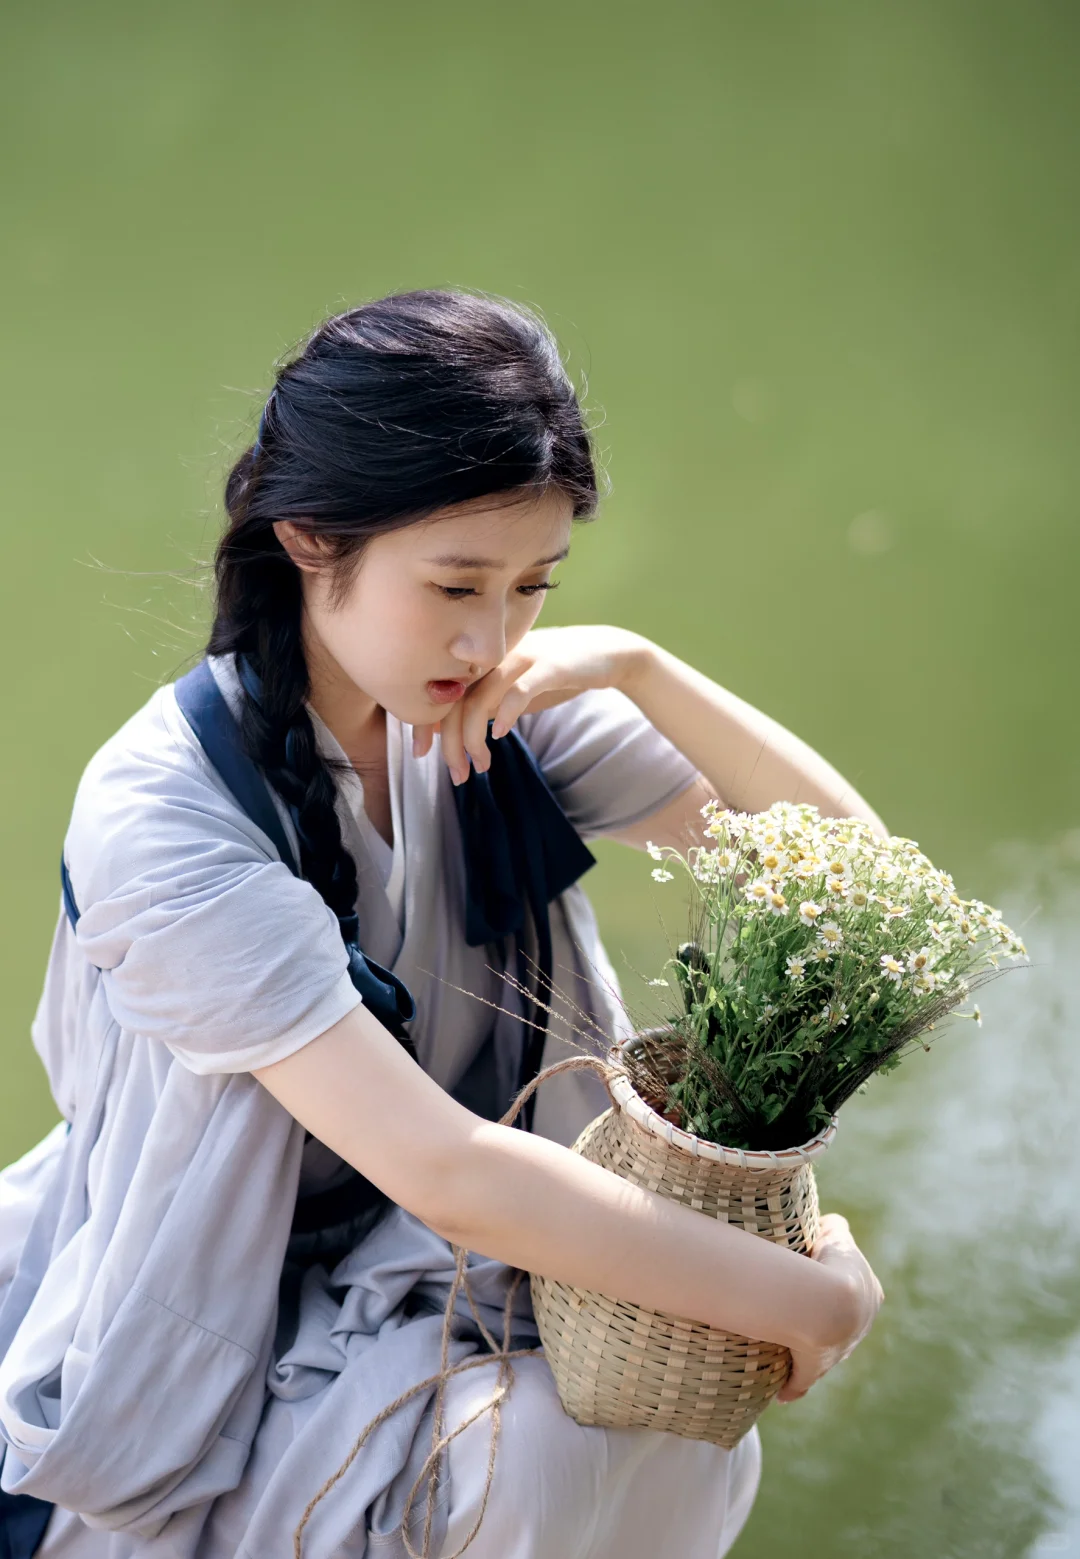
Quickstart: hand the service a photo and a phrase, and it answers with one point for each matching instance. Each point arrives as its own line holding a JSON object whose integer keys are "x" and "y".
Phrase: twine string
{"x": 501, "y": 1352}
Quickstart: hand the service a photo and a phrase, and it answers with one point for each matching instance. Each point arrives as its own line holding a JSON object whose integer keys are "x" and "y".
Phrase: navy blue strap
{"x": 23, "y": 1519}
{"x": 209, "y": 716}
{"x": 70, "y": 906}
{"x": 204, "y": 707}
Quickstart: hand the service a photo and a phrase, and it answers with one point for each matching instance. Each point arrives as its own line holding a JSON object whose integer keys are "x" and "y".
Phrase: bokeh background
{"x": 819, "y": 266}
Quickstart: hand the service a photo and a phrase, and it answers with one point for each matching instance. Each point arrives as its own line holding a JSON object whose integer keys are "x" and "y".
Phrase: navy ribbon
{"x": 521, "y": 851}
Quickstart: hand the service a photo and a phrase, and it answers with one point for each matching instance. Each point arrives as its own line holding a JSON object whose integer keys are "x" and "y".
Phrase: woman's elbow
{"x": 443, "y": 1190}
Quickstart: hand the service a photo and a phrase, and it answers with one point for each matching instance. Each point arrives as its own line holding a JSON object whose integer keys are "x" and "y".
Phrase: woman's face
{"x": 442, "y": 600}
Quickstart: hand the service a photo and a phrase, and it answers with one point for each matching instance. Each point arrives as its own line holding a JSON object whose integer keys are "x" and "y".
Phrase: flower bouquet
{"x": 820, "y": 954}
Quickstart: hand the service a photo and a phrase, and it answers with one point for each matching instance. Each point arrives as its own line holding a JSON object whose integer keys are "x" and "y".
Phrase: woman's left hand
{"x": 547, "y": 667}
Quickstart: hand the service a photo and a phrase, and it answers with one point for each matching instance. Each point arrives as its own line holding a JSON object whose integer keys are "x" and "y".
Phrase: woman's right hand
{"x": 836, "y": 1249}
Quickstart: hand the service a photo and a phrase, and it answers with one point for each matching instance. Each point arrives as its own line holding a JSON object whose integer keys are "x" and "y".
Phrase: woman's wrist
{"x": 832, "y": 1317}
{"x": 638, "y": 657}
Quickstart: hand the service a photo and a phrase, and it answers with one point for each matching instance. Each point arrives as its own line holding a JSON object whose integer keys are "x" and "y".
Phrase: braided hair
{"x": 388, "y": 413}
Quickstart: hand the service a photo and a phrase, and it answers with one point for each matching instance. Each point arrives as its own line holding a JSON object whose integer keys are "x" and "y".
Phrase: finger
{"x": 481, "y": 703}
{"x": 514, "y": 703}
{"x": 832, "y": 1224}
{"x": 475, "y": 714}
{"x": 453, "y": 748}
{"x": 802, "y": 1377}
{"x": 789, "y": 1394}
{"x": 422, "y": 739}
{"x": 527, "y": 691}
{"x": 833, "y": 1236}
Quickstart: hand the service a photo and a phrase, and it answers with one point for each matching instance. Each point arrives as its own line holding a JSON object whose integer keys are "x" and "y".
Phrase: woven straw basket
{"x": 617, "y": 1364}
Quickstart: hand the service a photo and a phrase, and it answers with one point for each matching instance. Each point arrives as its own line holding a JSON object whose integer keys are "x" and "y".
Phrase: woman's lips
{"x": 445, "y": 692}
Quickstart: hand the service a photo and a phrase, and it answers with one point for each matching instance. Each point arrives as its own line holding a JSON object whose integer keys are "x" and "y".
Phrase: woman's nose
{"x": 483, "y": 643}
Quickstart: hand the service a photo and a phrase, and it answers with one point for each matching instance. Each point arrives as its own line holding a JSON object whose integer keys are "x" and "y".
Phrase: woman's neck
{"x": 356, "y": 721}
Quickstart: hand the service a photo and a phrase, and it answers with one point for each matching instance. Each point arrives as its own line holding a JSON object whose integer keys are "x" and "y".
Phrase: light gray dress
{"x": 154, "y": 1377}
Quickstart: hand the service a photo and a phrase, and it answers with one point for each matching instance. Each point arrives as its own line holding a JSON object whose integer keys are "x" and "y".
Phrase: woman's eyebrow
{"x": 463, "y": 560}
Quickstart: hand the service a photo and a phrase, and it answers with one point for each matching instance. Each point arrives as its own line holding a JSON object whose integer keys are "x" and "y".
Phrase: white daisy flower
{"x": 830, "y": 935}
{"x": 767, "y": 1012}
{"x": 926, "y": 982}
{"x": 834, "y": 1013}
{"x": 796, "y": 968}
{"x": 858, "y": 898}
{"x": 810, "y": 913}
{"x": 658, "y": 982}
{"x": 758, "y": 892}
{"x": 837, "y": 866}
{"x": 977, "y": 1015}
{"x": 892, "y": 968}
{"x": 807, "y": 868}
{"x": 776, "y": 902}
{"x": 941, "y": 932}
{"x": 660, "y": 875}
{"x": 773, "y": 863}
{"x": 838, "y": 886}
{"x": 922, "y": 961}
{"x": 704, "y": 870}
{"x": 653, "y": 850}
{"x": 941, "y": 880}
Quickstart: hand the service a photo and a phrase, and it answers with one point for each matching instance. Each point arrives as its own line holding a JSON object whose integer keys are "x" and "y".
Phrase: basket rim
{"x": 626, "y": 1097}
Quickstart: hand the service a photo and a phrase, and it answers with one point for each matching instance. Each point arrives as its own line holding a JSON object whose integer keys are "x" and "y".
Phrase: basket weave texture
{"x": 618, "y": 1364}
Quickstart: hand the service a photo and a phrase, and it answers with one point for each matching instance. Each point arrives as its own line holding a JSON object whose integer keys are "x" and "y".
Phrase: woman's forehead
{"x": 489, "y": 533}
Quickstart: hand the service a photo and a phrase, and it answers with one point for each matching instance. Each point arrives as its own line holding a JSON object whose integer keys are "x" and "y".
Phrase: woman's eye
{"x": 456, "y": 592}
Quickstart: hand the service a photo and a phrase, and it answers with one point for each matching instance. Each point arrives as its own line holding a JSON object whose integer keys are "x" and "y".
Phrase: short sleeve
{"x": 205, "y": 939}
{"x": 607, "y": 764}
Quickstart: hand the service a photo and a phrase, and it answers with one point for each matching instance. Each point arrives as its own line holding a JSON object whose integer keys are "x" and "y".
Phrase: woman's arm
{"x": 534, "y": 1204}
{"x": 742, "y": 755}
{"x": 749, "y": 759}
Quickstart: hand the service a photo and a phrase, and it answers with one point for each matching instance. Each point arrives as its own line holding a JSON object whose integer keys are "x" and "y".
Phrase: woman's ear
{"x": 308, "y": 552}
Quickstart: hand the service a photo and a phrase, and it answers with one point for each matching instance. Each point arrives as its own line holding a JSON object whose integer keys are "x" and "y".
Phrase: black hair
{"x": 388, "y": 413}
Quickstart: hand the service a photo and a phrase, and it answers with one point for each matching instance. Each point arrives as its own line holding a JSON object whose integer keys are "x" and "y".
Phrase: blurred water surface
{"x": 819, "y": 266}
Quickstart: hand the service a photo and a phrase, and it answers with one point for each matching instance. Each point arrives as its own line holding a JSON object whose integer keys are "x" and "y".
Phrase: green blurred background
{"x": 820, "y": 265}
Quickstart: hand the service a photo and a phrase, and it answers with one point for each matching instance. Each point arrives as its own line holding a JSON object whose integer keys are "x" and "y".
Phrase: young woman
{"x": 271, "y": 1026}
